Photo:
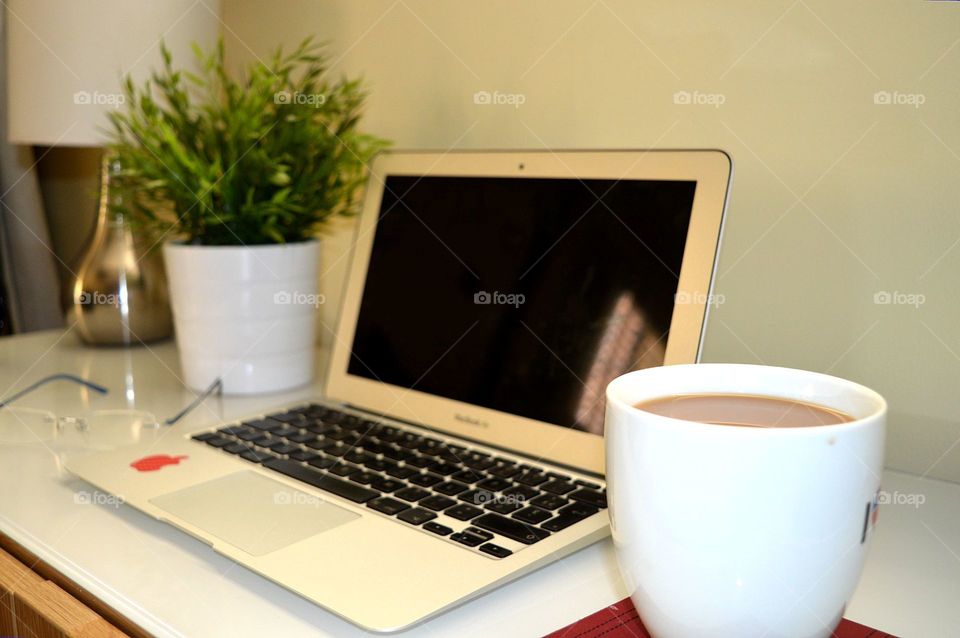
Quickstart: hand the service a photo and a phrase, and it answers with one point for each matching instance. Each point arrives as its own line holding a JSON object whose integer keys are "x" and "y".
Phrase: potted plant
{"x": 236, "y": 177}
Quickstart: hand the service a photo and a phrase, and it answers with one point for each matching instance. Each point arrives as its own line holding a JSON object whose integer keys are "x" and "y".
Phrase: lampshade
{"x": 66, "y": 59}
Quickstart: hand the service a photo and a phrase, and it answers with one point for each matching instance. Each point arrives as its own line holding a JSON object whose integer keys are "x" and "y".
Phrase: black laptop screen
{"x": 521, "y": 295}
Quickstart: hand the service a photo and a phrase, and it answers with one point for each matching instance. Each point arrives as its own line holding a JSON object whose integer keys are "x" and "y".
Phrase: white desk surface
{"x": 173, "y": 585}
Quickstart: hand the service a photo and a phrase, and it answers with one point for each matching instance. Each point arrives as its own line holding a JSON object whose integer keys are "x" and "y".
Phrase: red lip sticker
{"x": 156, "y": 462}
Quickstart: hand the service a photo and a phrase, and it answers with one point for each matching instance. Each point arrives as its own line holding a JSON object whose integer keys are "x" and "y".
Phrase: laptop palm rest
{"x": 253, "y": 512}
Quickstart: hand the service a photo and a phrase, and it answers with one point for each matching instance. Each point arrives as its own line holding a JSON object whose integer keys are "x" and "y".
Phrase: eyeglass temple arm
{"x": 215, "y": 387}
{"x": 96, "y": 387}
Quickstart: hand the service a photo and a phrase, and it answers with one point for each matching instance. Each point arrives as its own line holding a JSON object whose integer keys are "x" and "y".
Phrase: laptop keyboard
{"x": 477, "y": 499}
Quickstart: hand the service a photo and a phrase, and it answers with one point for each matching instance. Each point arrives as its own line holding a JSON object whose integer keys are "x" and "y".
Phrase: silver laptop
{"x": 459, "y": 444}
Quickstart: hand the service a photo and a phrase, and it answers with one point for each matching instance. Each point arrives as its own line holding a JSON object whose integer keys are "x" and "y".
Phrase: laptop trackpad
{"x": 253, "y": 512}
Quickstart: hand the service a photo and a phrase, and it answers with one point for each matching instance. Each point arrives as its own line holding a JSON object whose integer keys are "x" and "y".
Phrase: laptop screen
{"x": 522, "y": 295}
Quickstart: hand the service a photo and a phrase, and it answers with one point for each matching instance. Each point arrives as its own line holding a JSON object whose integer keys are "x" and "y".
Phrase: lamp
{"x": 66, "y": 61}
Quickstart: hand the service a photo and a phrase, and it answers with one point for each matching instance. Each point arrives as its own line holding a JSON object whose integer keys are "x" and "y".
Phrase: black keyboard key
{"x": 419, "y": 461}
{"x": 393, "y": 453}
{"x": 265, "y": 425}
{"x": 477, "y": 497}
{"x": 321, "y": 480}
{"x": 437, "y": 528}
{"x": 477, "y": 460}
{"x": 236, "y": 448}
{"x": 495, "y": 550}
{"x": 357, "y": 456}
{"x": 263, "y": 440}
{"x": 531, "y": 477}
{"x": 467, "y": 538}
{"x": 301, "y": 437}
{"x": 285, "y": 431}
{"x": 514, "y": 530}
{"x": 425, "y": 480}
{"x": 320, "y": 444}
{"x": 282, "y": 447}
{"x": 385, "y": 484}
{"x": 219, "y": 441}
{"x": 303, "y": 455}
{"x": 587, "y": 484}
{"x": 436, "y": 502}
{"x": 249, "y": 435}
{"x": 482, "y": 533}
{"x": 558, "y": 486}
{"x": 364, "y": 478}
{"x": 257, "y": 456}
{"x": 443, "y": 468}
{"x": 567, "y": 516}
{"x": 462, "y": 512}
{"x": 533, "y": 515}
{"x": 521, "y": 492}
{"x": 387, "y": 505}
{"x": 322, "y": 429}
{"x": 450, "y": 488}
{"x": 204, "y": 436}
{"x": 343, "y": 469}
{"x": 504, "y": 505}
{"x": 591, "y": 497}
{"x": 416, "y": 516}
{"x": 494, "y": 484}
{"x": 549, "y": 501}
{"x": 413, "y": 494}
{"x": 233, "y": 430}
{"x": 468, "y": 476}
{"x": 337, "y": 450}
{"x": 378, "y": 465}
{"x": 503, "y": 471}
{"x": 402, "y": 472}
{"x": 323, "y": 462}
{"x": 409, "y": 441}
{"x": 287, "y": 417}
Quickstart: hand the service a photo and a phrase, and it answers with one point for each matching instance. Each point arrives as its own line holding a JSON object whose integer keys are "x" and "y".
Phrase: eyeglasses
{"x": 96, "y": 429}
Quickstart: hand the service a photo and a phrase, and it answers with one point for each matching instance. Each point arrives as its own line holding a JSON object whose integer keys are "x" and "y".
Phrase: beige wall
{"x": 835, "y": 198}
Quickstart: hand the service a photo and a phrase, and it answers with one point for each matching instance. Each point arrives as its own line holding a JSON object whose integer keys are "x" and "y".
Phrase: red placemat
{"x": 620, "y": 620}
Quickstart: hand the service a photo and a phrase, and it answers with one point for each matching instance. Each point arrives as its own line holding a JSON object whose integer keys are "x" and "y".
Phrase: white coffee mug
{"x": 741, "y": 531}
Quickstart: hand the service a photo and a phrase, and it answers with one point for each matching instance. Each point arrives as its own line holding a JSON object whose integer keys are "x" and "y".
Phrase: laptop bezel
{"x": 712, "y": 171}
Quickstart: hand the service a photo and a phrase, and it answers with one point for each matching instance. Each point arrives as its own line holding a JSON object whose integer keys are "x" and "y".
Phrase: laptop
{"x": 458, "y": 445}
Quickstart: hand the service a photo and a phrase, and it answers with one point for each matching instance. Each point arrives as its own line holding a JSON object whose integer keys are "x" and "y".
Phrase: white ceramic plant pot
{"x": 246, "y": 314}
